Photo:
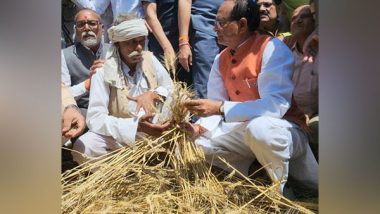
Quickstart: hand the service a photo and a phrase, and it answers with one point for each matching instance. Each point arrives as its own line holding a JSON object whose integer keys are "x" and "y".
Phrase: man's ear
{"x": 243, "y": 25}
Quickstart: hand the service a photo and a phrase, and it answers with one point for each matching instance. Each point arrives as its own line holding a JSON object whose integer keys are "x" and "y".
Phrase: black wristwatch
{"x": 221, "y": 110}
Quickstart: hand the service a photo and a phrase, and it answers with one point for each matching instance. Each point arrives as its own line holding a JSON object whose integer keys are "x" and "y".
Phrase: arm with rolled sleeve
{"x": 78, "y": 90}
{"x": 274, "y": 85}
{"x": 123, "y": 130}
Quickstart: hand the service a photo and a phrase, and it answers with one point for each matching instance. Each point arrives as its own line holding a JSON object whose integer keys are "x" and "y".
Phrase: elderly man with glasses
{"x": 79, "y": 60}
{"x": 124, "y": 92}
{"x": 249, "y": 113}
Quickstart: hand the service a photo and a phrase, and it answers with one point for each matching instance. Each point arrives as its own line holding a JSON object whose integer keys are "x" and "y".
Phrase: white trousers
{"x": 92, "y": 146}
{"x": 277, "y": 144}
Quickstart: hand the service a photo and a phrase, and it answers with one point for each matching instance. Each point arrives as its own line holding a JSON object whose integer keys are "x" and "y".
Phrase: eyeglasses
{"x": 91, "y": 23}
{"x": 265, "y": 4}
{"x": 221, "y": 23}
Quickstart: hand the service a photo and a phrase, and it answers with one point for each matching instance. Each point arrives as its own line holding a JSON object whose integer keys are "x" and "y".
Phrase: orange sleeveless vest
{"x": 240, "y": 69}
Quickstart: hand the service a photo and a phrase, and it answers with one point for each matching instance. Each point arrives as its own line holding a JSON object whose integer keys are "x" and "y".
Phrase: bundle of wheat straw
{"x": 168, "y": 174}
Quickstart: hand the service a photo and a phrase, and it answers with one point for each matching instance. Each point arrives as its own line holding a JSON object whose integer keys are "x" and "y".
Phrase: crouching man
{"x": 249, "y": 113}
{"x": 123, "y": 92}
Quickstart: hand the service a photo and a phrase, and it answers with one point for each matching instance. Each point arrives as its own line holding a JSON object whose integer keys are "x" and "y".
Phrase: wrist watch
{"x": 221, "y": 110}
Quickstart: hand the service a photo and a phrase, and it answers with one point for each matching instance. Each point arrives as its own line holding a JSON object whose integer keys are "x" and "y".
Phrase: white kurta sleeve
{"x": 274, "y": 84}
{"x": 65, "y": 74}
{"x": 215, "y": 91}
{"x": 77, "y": 90}
{"x": 98, "y": 120}
{"x": 215, "y": 84}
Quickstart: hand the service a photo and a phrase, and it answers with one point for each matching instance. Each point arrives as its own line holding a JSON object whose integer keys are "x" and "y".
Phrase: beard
{"x": 89, "y": 39}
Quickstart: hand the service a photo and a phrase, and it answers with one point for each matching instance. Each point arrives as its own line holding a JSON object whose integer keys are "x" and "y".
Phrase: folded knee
{"x": 83, "y": 145}
{"x": 262, "y": 133}
{"x": 258, "y": 129}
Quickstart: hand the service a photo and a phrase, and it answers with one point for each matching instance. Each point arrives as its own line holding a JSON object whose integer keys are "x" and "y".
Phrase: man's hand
{"x": 310, "y": 47}
{"x": 290, "y": 41}
{"x": 151, "y": 129}
{"x": 72, "y": 121}
{"x": 203, "y": 107}
{"x": 170, "y": 57}
{"x": 146, "y": 101}
{"x": 191, "y": 129}
{"x": 185, "y": 57}
{"x": 97, "y": 64}
{"x": 169, "y": 52}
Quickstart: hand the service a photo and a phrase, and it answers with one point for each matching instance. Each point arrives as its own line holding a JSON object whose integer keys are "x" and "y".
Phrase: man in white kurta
{"x": 240, "y": 131}
{"x": 122, "y": 92}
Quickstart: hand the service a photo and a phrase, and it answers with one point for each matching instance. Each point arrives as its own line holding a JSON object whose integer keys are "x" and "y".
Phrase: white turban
{"x": 124, "y": 31}
{"x": 127, "y": 30}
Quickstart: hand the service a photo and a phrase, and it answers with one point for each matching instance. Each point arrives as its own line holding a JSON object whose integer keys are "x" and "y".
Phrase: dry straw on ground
{"x": 168, "y": 174}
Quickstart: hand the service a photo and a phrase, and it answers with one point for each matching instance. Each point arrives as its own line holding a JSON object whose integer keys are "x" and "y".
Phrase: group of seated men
{"x": 262, "y": 95}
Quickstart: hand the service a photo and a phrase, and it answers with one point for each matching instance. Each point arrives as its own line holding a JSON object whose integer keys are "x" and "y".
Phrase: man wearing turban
{"x": 124, "y": 92}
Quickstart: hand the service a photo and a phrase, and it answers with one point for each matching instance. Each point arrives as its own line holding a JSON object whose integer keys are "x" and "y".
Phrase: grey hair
{"x": 121, "y": 17}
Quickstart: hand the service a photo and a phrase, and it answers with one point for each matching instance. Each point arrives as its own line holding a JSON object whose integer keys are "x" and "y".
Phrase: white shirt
{"x": 274, "y": 85}
{"x": 118, "y": 6}
{"x": 76, "y": 90}
{"x": 123, "y": 130}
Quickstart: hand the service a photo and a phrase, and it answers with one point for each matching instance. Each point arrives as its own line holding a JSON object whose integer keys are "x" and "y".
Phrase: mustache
{"x": 134, "y": 53}
{"x": 88, "y": 33}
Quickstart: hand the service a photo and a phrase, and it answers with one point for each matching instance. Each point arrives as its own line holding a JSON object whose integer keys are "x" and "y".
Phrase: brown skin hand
{"x": 72, "y": 122}
{"x": 203, "y": 107}
{"x": 151, "y": 129}
{"x": 146, "y": 101}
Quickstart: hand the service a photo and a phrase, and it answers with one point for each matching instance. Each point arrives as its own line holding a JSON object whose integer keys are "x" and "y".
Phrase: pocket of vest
{"x": 251, "y": 82}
